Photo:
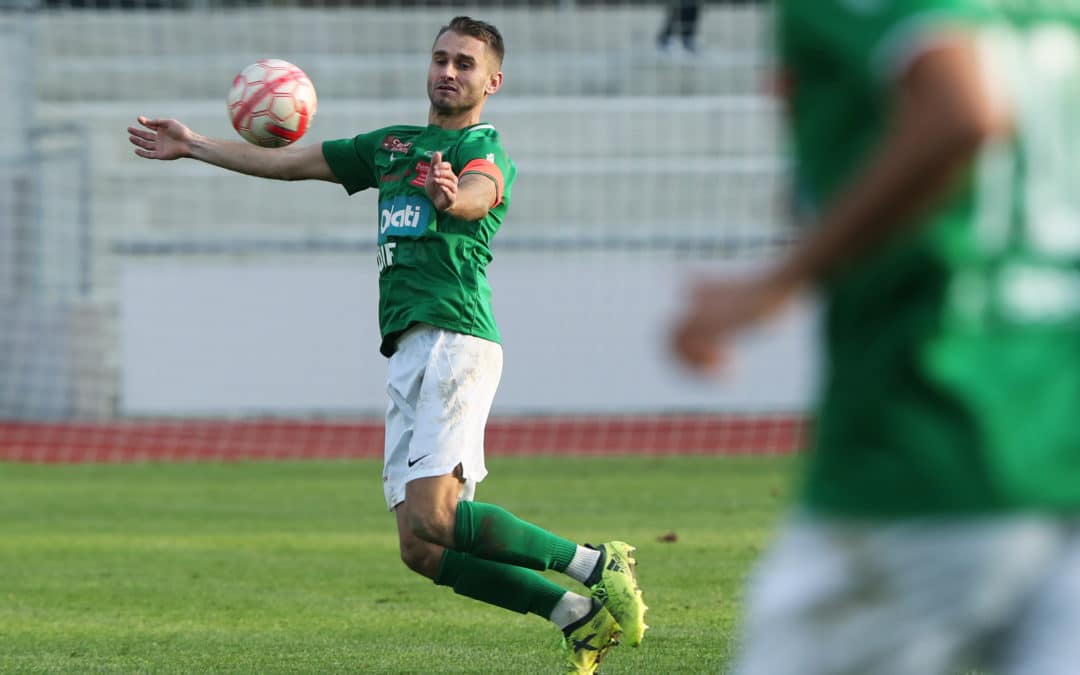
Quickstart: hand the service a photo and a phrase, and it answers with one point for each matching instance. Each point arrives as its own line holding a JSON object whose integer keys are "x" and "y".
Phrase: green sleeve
{"x": 879, "y": 37}
{"x": 353, "y": 161}
{"x": 487, "y": 147}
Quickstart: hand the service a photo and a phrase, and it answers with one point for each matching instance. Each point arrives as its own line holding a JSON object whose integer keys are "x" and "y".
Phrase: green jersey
{"x": 432, "y": 266}
{"x": 953, "y": 354}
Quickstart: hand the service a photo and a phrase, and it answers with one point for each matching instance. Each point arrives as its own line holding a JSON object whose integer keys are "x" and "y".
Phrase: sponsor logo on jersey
{"x": 395, "y": 144}
{"x": 404, "y": 216}
{"x": 422, "y": 169}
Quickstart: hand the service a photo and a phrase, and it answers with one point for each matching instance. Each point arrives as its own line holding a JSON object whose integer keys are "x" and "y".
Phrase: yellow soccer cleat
{"x": 618, "y": 590}
{"x": 587, "y": 641}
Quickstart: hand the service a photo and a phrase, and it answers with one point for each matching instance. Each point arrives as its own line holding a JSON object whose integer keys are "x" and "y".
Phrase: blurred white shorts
{"x": 441, "y": 385}
{"x": 916, "y": 597}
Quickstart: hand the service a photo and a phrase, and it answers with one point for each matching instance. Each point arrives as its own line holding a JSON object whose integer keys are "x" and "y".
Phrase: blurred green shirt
{"x": 953, "y": 354}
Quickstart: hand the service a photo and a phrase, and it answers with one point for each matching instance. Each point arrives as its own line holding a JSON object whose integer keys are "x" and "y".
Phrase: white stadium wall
{"x": 203, "y": 339}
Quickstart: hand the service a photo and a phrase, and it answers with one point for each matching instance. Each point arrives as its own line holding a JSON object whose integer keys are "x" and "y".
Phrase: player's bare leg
{"x": 430, "y": 508}
{"x": 419, "y": 555}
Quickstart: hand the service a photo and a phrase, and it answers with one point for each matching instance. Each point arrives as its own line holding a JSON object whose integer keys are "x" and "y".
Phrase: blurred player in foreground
{"x": 937, "y": 154}
{"x": 443, "y": 193}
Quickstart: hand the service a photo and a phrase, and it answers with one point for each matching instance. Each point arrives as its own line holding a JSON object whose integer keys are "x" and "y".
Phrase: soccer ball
{"x": 271, "y": 103}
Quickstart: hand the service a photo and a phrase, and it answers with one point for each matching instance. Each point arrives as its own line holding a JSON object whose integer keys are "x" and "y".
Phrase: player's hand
{"x": 718, "y": 311}
{"x": 441, "y": 184}
{"x": 161, "y": 139}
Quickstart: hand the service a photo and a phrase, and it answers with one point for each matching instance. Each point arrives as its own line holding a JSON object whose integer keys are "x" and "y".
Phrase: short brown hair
{"x": 481, "y": 30}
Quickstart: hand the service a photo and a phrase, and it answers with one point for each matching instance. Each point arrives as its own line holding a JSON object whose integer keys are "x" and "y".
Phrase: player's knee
{"x": 419, "y": 557}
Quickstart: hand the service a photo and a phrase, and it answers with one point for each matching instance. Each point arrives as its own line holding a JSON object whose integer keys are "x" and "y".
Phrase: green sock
{"x": 493, "y": 533}
{"x": 499, "y": 584}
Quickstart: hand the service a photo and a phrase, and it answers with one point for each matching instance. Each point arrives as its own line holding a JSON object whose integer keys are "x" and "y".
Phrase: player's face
{"x": 461, "y": 75}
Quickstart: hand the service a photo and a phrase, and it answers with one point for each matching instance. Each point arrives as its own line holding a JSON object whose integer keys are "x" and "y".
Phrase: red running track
{"x": 195, "y": 440}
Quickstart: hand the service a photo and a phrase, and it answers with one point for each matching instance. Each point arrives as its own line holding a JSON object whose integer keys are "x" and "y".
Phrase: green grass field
{"x": 292, "y": 567}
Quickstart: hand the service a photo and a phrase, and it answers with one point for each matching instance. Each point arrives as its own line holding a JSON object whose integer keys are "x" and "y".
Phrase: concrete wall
{"x": 581, "y": 336}
{"x": 369, "y": 53}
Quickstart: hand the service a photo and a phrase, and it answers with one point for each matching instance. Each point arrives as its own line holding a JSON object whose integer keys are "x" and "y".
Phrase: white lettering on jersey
{"x": 384, "y": 255}
{"x": 408, "y": 217}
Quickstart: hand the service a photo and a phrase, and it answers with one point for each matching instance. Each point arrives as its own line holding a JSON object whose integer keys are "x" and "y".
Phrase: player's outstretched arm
{"x": 168, "y": 139}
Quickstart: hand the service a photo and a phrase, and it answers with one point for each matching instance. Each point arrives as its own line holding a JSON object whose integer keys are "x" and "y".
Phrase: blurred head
{"x": 465, "y": 65}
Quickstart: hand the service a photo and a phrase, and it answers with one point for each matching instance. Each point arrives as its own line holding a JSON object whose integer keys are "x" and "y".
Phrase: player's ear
{"x": 494, "y": 82}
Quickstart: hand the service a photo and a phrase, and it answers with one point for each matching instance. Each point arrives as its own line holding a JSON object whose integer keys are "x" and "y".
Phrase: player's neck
{"x": 460, "y": 120}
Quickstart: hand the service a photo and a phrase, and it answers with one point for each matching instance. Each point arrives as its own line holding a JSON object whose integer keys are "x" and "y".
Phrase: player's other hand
{"x": 160, "y": 139}
{"x": 442, "y": 183}
{"x": 718, "y": 310}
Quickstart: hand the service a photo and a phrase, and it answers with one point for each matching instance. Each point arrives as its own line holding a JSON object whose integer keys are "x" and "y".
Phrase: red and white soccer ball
{"x": 271, "y": 103}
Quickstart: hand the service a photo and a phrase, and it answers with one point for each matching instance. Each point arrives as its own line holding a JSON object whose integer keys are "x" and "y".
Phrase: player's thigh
{"x": 1045, "y": 638}
{"x": 430, "y": 506}
{"x": 452, "y": 408}
{"x": 405, "y": 374}
{"x": 908, "y": 597}
{"x": 802, "y": 573}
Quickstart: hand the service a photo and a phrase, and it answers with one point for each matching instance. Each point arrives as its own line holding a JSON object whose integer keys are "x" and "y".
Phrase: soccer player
{"x": 444, "y": 190}
{"x": 937, "y": 156}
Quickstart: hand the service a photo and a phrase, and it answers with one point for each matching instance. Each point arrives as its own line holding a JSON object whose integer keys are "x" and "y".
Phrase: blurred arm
{"x": 945, "y": 111}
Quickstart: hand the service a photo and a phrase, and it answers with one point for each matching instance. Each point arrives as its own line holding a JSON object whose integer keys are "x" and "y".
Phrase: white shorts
{"x": 917, "y": 597}
{"x": 441, "y": 385}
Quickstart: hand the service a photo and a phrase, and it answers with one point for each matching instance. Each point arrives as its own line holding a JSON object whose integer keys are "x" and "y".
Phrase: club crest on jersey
{"x": 394, "y": 144}
{"x": 404, "y": 216}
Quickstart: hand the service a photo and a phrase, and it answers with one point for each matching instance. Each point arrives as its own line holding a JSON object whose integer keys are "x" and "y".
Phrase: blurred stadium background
{"x": 155, "y": 310}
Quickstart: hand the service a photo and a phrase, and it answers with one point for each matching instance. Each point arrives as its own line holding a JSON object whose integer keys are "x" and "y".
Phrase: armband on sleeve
{"x": 490, "y": 170}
